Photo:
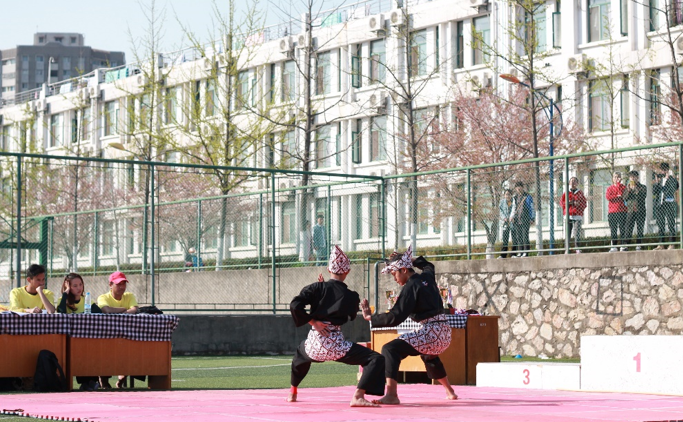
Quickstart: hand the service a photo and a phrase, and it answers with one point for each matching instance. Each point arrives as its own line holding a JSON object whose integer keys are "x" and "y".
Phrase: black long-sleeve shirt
{"x": 331, "y": 301}
{"x": 419, "y": 298}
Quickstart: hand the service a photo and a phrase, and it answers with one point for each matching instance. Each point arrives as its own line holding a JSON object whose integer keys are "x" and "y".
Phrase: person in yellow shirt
{"x": 118, "y": 301}
{"x": 33, "y": 297}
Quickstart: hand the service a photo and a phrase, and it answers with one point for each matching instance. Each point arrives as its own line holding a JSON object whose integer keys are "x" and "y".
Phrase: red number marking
{"x": 526, "y": 377}
{"x": 637, "y": 359}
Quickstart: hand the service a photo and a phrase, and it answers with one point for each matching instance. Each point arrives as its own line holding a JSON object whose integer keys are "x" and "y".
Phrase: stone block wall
{"x": 547, "y": 303}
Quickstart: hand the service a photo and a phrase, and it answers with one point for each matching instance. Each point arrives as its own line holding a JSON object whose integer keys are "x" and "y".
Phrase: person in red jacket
{"x": 616, "y": 211}
{"x": 577, "y": 204}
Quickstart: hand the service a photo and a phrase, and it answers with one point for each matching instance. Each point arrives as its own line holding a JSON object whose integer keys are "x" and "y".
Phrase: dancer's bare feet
{"x": 388, "y": 399}
{"x": 450, "y": 395}
{"x": 362, "y": 402}
{"x": 292, "y": 397}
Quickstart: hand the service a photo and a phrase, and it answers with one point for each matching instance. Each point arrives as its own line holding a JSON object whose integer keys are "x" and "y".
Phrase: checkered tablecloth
{"x": 140, "y": 327}
{"x": 33, "y": 324}
{"x": 454, "y": 320}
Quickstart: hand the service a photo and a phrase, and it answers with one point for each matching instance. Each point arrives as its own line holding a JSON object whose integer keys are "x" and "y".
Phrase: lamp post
{"x": 49, "y": 70}
{"x": 512, "y": 78}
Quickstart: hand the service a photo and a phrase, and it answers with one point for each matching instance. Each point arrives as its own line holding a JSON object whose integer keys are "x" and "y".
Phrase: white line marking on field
{"x": 229, "y": 367}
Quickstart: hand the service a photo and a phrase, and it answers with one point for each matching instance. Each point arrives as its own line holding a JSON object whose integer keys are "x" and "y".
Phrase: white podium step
{"x": 538, "y": 375}
{"x": 632, "y": 364}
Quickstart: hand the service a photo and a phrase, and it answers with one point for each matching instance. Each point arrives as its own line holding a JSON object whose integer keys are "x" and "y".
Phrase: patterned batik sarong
{"x": 432, "y": 338}
{"x": 324, "y": 349}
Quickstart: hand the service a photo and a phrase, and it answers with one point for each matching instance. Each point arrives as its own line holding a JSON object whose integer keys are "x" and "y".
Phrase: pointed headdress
{"x": 406, "y": 261}
{"x": 339, "y": 262}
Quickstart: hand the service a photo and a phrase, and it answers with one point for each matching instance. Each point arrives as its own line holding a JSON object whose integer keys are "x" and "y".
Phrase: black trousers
{"x": 506, "y": 239}
{"x": 372, "y": 380}
{"x": 666, "y": 213}
{"x": 520, "y": 236}
{"x": 397, "y": 350}
{"x": 635, "y": 220}
{"x": 617, "y": 225}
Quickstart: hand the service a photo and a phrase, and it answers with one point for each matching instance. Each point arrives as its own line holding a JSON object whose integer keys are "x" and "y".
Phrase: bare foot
{"x": 361, "y": 402}
{"x": 450, "y": 395}
{"x": 292, "y": 397}
{"x": 388, "y": 400}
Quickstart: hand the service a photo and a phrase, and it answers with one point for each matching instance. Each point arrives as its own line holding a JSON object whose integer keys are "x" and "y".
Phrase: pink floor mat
{"x": 424, "y": 403}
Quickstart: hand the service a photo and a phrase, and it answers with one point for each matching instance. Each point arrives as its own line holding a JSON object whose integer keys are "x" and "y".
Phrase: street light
{"x": 512, "y": 78}
{"x": 49, "y": 69}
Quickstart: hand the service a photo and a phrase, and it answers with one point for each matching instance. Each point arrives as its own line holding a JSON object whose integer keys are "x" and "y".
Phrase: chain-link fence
{"x": 237, "y": 239}
{"x": 211, "y": 238}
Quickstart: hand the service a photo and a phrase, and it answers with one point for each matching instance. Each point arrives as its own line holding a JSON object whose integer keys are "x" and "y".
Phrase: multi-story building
{"x": 585, "y": 50}
{"x": 53, "y": 57}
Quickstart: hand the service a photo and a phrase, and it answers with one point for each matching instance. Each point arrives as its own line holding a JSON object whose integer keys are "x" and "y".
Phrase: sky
{"x": 110, "y": 25}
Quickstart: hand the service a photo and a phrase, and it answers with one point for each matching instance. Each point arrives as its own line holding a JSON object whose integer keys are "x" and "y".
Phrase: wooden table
{"x": 20, "y": 352}
{"x": 478, "y": 342}
{"x": 119, "y": 356}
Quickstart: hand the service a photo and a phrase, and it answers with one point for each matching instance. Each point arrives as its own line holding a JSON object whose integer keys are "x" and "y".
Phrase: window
{"x": 288, "y": 149}
{"x": 418, "y": 53}
{"x": 171, "y": 105}
{"x": 557, "y": 26}
{"x": 437, "y": 48}
{"x": 66, "y": 62}
{"x": 358, "y": 199}
{"x": 536, "y": 24}
{"x": 378, "y": 58}
{"x": 211, "y": 99}
{"x": 288, "y": 222}
{"x": 599, "y": 107}
{"x": 655, "y": 98}
{"x": 323, "y": 147}
{"x": 324, "y": 74}
{"x": 374, "y": 216}
{"x": 245, "y": 232}
{"x": 598, "y": 18}
{"x": 289, "y": 81}
{"x": 356, "y": 71}
{"x": 242, "y": 90}
{"x": 40, "y": 60}
{"x": 144, "y": 113}
{"x": 75, "y": 127}
{"x": 4, "y": 138}
{"x": 481, "y": 39}
{"x": 459, "y": 45}
{"x": 59, "y": 39}
{"x": 357, "y": 143}
{"x": 56, "y": 135}
{"x": 654, "y": 14}
{"x": 110, "y": 118}
{"x": 196, "y": 104}
{"x": 378, "y": 136}
{"x": 625, "y": 103}
{"x": 623, "y": 21}
{"x": 107, "y": 238}
{"x": 600, "y": 180}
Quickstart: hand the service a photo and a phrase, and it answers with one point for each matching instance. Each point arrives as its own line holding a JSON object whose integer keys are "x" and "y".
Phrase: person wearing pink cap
{"x": 118, "y": 301}
{"x": 333, "y": 304}
{"x": 420, "y": 300}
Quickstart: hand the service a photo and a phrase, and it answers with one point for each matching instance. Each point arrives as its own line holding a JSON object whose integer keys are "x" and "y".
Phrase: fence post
{"x": 96, "y": 246}
{"x": 260, "y": 230}
{"x": 199, "y": 234}
{"x": 152, "y": 229}
{"x": 384, "y": 217}
{"x": 19, "y": 221}
{"x": 329, "y": 220}
{"x": 567, "y": 233}
{"x": 272, "y": 218}
{"x": 468, "y": 215}
{"x": 680, "y": 180}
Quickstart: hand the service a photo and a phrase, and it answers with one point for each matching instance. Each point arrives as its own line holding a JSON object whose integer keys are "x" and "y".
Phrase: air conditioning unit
{"x": 678, "y": 45}
{"x": 475, "y": 80}
{"x": 83, "y": 94}
{"x": 486, "y": 80}
{"x": 209, "y": 63}
{"x": 396, "y": 18}
{"x": 303, "y": 40}
{"x": 577, "y": 63}
{"x": 378, "y": 101}
{"x": 479, "y": 3}
{"x": 286, "y": 45}
{"x": 141, "y": 80}
{"x": 376, "y": 23}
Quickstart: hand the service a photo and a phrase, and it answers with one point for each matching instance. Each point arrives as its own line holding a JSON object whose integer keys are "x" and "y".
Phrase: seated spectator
{"x": 117, "y": 301}
{"x": 32, "y": 298}
{"x": 73, "y": 297}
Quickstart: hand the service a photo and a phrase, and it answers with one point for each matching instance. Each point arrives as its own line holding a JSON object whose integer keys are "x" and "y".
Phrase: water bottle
{"x": 88, "y": 304}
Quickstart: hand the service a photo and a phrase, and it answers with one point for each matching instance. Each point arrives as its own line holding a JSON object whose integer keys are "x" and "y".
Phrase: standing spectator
{"x": 523, "y": 214}
{"x": 664, "y": 194}
{"x": 196, "y": 260}
{"x": 306, "y": 242}
{"x": 32, "y": 298}
{"x": 616, "y": 211}
{"x": 320, "y": 241}
{"x": 634, "y": 198}
{"x": 506, "y": 221}
{"x": 577, "y": 204}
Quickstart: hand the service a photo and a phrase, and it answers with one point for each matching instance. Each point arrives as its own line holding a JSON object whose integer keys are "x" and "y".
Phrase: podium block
{"x": 530, "y": 375}
{"x": 632, "y": 364}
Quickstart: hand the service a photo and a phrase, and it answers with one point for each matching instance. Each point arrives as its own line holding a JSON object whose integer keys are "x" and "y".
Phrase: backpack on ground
{"x": 49, "y": 376}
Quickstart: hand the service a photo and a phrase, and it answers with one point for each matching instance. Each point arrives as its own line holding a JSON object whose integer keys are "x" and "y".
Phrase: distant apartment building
{"x": 62, "y": 55}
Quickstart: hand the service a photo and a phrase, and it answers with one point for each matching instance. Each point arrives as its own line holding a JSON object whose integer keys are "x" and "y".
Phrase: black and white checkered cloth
{"x": 141, "y": 327}
{"x": 33, "y": 324}
{"x": 454, "y": 320}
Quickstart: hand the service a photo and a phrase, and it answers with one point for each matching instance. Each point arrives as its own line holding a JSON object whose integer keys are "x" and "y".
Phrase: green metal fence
{"x": 202, "y": 238}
